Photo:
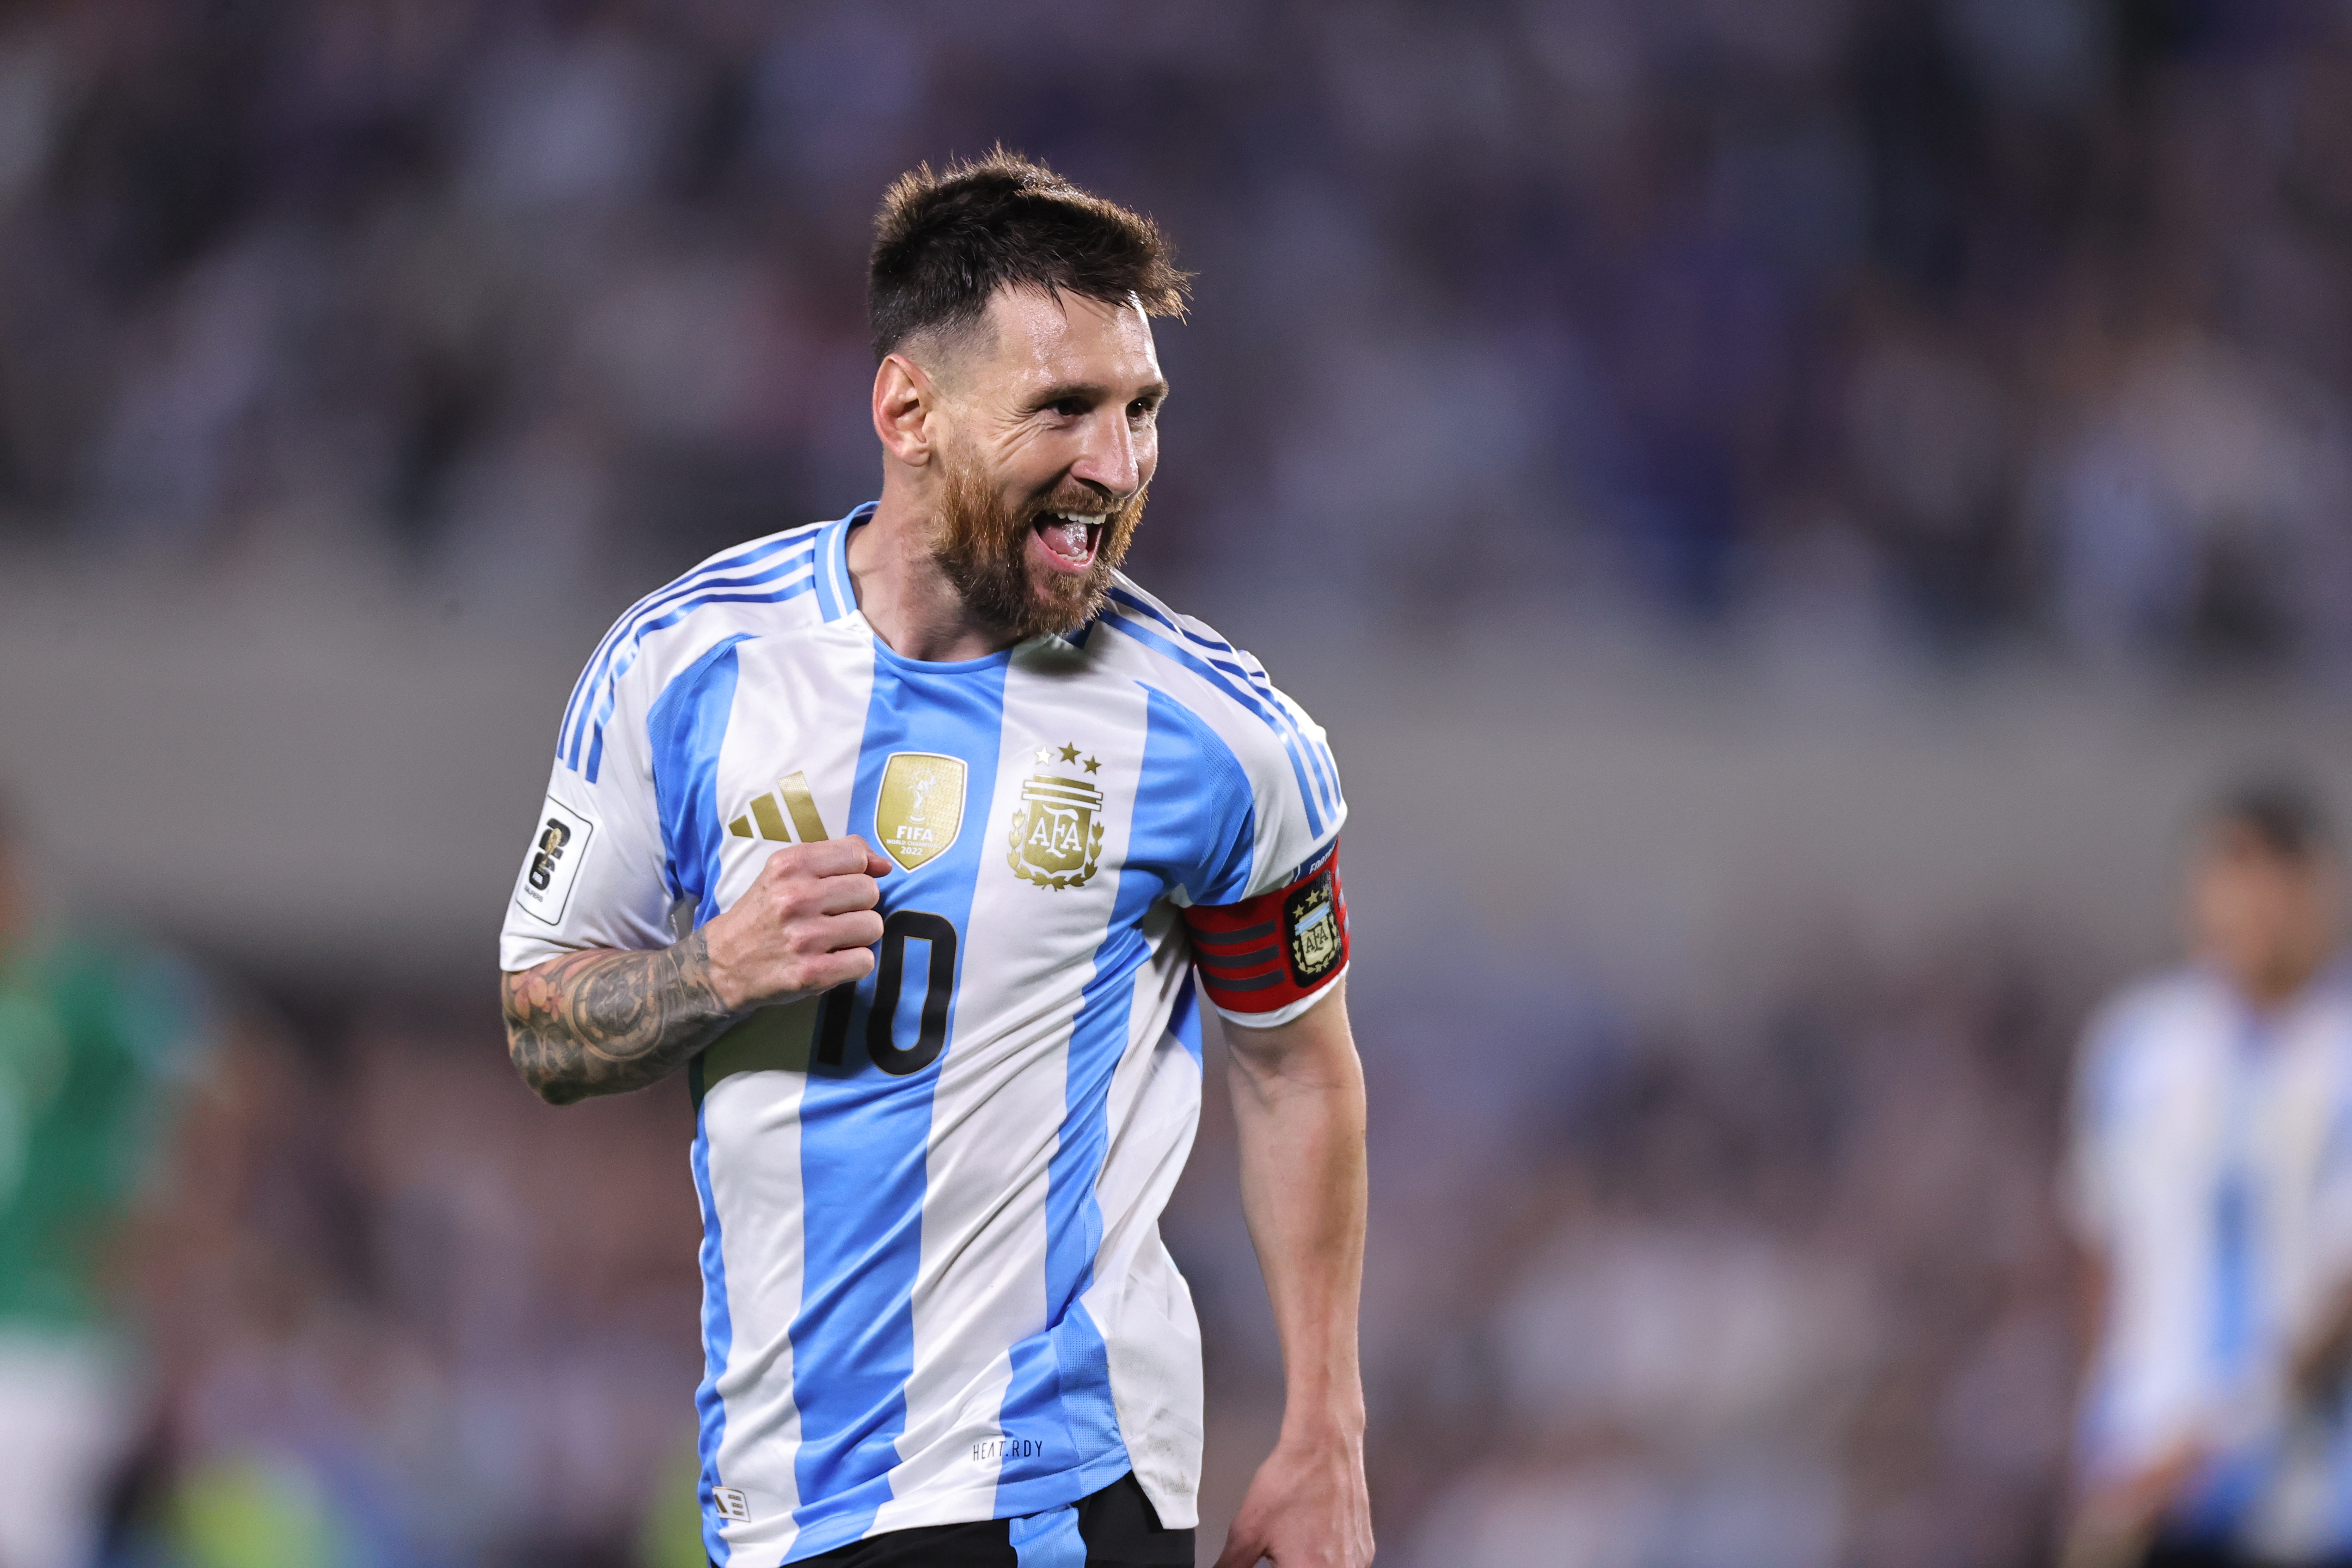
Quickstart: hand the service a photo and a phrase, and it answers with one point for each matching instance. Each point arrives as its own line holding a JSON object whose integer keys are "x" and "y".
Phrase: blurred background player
{"x": 2214, "y": 1174}
{"x": 97, "y": 1037}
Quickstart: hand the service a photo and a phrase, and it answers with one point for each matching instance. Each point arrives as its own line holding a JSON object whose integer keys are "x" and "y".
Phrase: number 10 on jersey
{"x": 938, "y": 934}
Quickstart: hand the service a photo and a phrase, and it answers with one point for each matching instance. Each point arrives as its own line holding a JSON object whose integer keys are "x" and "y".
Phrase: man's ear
{"x": 905, "y": 399}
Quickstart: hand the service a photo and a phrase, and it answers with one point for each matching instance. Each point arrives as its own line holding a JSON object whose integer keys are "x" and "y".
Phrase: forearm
{"x": 605, "y": 1022}
{"x": 2321, "y": 1354}
{"x": 1298, "y": 1100}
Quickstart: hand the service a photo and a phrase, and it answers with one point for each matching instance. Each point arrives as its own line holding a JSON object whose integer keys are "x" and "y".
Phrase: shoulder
{"x": 2318, "y": 1026}
{"x": 2330, "y": 997}
{"x": 1224, "y": 690}
{"x": 2145, "y": 1012}
{"x": 755, "y": 588}
{"x": 2152, "y": 1024}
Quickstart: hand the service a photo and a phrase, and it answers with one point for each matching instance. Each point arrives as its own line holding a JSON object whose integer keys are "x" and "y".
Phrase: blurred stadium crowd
{"x": 2004, "y": 318}
{"x": 1973, "y": 324}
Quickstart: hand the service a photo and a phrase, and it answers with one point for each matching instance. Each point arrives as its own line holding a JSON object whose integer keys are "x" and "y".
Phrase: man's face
{"x": 1049, "y": 435}
{"x": 2268, "y": 920}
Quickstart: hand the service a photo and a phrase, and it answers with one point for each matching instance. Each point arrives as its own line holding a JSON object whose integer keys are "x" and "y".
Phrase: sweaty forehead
{"x": 1032, "y": 339}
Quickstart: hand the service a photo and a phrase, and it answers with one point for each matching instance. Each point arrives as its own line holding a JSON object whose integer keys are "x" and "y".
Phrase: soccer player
{"x": 103, "y": 1044}
{"x": 906, "y": 835}
{"x": 2214, "y": 1189}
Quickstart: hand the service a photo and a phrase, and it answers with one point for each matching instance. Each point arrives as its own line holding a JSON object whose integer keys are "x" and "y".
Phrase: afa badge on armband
{"x": 1310, "y": 919}
{"x": 1055, "y": 841}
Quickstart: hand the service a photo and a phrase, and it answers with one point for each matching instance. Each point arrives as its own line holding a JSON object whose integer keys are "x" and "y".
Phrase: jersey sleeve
{"x": 595, "y": 871}
{"x": 2331, "y": 1199}
{"x": 1270, "y": 934}
{"x": 2088, "y": 1177}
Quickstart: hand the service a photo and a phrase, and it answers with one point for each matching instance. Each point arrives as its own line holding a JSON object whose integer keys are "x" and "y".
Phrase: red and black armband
{"x": 1262, "y": 960}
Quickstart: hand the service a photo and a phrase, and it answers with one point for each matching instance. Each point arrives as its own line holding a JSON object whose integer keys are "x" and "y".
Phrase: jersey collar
{"x": 835, "y": 595}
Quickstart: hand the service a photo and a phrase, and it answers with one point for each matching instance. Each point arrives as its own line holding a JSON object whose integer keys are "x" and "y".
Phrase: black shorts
{"x": 1115, "y": 1528}
{"x": 2173, "y": 1551}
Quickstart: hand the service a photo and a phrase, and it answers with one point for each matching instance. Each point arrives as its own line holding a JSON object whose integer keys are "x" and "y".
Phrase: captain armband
{"x": 1263, "y": 960}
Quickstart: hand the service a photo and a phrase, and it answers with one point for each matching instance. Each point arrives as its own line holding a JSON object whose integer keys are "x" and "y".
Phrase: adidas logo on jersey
{"x": 768, "y": 823}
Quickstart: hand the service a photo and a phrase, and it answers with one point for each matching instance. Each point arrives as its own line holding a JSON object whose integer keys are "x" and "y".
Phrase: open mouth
{"x": 1069, "y": 538}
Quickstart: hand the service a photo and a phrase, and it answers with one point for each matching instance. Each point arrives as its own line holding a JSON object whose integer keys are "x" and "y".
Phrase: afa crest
{"x": 1310, "y": 918}
{"x": 1055, "y": 841}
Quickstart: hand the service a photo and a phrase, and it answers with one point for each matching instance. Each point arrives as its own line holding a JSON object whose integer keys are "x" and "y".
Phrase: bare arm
{"x": 605, "y": 1022}
{"x": 1298, "y": 1098}
{"x": 2318, "y": 1365}
{"x": 2116, "y": 1518}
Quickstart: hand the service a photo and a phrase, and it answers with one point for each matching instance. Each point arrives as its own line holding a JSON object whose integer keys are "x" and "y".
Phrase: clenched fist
{"x": 805, "y": 925}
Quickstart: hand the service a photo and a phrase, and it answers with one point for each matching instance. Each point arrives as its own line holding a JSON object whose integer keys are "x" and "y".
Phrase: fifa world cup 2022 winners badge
{"x": 1055, "y": 841}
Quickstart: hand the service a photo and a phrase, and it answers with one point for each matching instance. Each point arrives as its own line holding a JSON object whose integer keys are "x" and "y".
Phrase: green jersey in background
{"x": 97, "y": 1038}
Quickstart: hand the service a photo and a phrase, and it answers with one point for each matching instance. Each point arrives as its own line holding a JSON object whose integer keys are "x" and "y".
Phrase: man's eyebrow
{"x": 1090, "y": 391}
{"x": 1086, "y": 391}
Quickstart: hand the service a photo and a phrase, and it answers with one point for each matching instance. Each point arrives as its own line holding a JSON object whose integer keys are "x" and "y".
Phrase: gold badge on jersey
{"x": 763, "y": 820}
{"x": 1055, "y": 841}
{"x": 921, "y": 809}
{"x": 1314, "y": 927}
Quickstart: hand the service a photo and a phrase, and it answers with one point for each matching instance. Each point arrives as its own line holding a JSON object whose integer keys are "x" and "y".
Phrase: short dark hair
{"x": 2283, "y": 813}
{"x": 945, "y": 243}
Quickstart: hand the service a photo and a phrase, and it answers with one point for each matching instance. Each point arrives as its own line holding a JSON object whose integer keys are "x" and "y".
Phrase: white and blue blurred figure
{"x": 2213, "y": 1187}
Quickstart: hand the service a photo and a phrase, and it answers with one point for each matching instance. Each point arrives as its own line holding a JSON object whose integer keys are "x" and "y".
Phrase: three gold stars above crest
{"x": 1049, "y": 755}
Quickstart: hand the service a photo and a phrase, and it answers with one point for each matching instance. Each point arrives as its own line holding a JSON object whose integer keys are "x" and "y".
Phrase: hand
{"x": 2115, "y": 1523}
{"x": 805, "y": 925}
{"x": 2316, "y": 1372}
{"x": 1306, "y": 1507}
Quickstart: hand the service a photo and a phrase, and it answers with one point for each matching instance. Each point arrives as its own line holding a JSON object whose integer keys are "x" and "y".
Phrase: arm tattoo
{"x": 605, "y": 1022}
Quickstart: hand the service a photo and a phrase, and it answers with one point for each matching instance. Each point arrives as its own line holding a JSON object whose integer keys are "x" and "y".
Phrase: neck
{"x": 2280, "y": 984}
{"x": 904, "y": 596}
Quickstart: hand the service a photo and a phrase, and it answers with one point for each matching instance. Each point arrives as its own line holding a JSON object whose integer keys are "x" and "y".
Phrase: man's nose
{"x": 1109, "y": 460}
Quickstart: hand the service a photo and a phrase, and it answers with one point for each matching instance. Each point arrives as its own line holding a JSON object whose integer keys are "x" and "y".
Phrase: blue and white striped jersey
{"x": 934, "y": 1287}
{"x": 2212, "y": 1170}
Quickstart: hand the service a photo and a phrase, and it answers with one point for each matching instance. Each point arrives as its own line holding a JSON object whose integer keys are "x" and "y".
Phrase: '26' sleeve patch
{"x": 553, "y": 864}
{"x": 1267, "y": 953}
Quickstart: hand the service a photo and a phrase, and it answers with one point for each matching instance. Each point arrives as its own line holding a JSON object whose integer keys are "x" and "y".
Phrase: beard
{"x": 982, "y": 543}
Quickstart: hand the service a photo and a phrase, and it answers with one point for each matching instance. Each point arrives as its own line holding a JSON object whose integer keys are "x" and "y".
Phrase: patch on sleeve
{"x": 554, "y": 863}
{"x": 1268, "y": 953}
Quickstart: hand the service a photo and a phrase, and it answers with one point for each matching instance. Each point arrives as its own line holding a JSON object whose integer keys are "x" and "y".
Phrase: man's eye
{"x": 1142, "y": 408}
{"x": 1069, "y": 408}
